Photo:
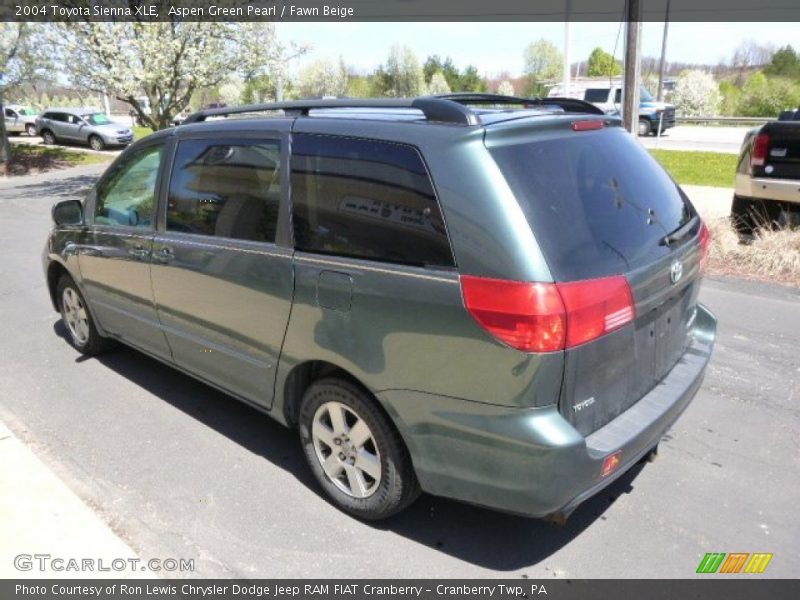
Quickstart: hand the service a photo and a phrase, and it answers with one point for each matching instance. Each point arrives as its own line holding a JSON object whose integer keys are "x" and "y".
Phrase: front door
{"x": 222, "y": 277}
{"x": 115, "y": 256}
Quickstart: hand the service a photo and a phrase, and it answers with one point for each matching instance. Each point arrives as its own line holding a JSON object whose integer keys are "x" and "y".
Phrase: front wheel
{"x": 644, "y": 127}
{"x": 354, "y": 451}
{"x": 48, "y": 137}
{"x": 96, "y": 143}
{"x": 30, "y": 130}
{"x": 77, "y": 319}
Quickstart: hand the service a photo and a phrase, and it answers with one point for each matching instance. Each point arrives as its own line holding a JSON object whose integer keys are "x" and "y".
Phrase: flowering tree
{"x": 402, "y": 75}
{"x": 322, "y": 78}
{"x": 21, "y": 59}
{"x": 506, "y": 88}
{"x": 696, "y": 94}
{"x": 438, "y": 84}
{"x": 165, "y": 61}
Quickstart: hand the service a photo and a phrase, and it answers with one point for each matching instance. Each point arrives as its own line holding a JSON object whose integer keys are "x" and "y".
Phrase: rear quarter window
{"x": 597, "y": 202}
{"x": 365, "y": 199}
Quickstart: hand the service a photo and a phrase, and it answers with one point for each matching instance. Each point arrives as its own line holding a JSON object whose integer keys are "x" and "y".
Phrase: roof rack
{"x": 566, "y": 104}
{"x": 434, "y": 109}
{"x": 447, "y": 108}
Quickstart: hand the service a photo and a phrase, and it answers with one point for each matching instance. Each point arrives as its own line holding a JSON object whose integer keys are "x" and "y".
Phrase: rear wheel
{"x": 354, "y": 451}
{"x": 96, "y": 143}
{"x": 77, "y": 319}
{"x": 48, "y": 137}
{"x": 644, "y": 127}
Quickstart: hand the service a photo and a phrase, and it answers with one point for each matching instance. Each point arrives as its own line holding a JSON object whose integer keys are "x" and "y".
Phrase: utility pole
{"x": 566, "y": 73}
{"x": 660, "y": 94}
{"x": 630, "y": 89}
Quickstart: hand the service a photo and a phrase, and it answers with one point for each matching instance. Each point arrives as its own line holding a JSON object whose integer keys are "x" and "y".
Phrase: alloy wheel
{"x": 75, "y": 316}
{"x": 346, "y": 449}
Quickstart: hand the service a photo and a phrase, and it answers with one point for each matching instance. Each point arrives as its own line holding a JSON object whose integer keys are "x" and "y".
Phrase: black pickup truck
{"x": 767, "y": 192}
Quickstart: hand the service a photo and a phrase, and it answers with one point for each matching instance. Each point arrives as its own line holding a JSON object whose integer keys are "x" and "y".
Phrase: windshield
{"x": 97, "y": 119}
{"x": 27, "y": 112}
{"x": 644, "y": 95}
{"x": 597, "y": 202}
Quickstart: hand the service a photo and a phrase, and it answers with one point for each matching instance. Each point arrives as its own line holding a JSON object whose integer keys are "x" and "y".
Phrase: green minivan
{"x": 488, "y": 298}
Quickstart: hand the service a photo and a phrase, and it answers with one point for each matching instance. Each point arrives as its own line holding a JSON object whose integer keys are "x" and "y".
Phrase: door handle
{"x": 139, "y": 252}
{"x": 165, "y": 254}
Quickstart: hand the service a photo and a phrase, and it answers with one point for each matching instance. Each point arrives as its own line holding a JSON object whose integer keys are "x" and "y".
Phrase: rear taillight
{"x": 547, "y": 317}
{"x": 705, "y": 242}
{"x": 760, "y": 147}
{"x": 526, "y": 316}
{"x": 596, "y": 307}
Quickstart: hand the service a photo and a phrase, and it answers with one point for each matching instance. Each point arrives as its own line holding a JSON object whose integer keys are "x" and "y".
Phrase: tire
{"x": 330, "y": 412}
{"x": 644, "y": 127}
{"x": 30, "y": 130}
{"x": 48, "y": 137}
{"x": 96, "y": 143}
{"x": 78, "y": 320}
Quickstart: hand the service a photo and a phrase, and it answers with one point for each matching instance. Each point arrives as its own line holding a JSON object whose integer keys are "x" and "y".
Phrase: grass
{"x": 698, "y": 168}
{"x": 27, "y": 159}
{"x": 140, "y": 132}
{"x": 772, "y": 256}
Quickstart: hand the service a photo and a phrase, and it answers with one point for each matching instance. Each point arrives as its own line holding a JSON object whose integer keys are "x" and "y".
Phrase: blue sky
{"x": 497, "y": 47}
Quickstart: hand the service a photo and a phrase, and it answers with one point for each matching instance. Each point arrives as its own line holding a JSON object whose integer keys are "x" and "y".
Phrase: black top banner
{"x": 395, "y": 10}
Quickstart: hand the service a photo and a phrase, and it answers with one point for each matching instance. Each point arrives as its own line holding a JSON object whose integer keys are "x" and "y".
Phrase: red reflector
{"x": 526, "y": 316}
{"x": 705, "y": 242}
{"x": 611, "y": 463}
{"x": 586, "y": 125}
{"x": 546, "y": 317}
{"x": 759, "y": 154}
{"x": 595, "y": 307}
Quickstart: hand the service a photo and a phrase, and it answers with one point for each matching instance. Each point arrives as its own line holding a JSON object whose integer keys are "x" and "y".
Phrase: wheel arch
{"x": 54, "y": 272}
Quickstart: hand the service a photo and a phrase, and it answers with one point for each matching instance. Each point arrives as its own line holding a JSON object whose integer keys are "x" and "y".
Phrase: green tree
{"x": 602, "y": 64}
{"x": 470, "y": 81}
{"x": 764, "y": 96}
{"x": 785, "y": 63}
{"x": 434, "y": 64}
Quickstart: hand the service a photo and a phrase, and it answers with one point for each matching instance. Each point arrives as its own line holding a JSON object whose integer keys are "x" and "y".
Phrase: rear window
{"x": 596, "y": 95}
{"x": 597, "y": 202}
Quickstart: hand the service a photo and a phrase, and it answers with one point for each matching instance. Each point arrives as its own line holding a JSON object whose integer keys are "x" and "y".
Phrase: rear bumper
{"x": 781, "y": 190}
{"x": 532, "y": 461}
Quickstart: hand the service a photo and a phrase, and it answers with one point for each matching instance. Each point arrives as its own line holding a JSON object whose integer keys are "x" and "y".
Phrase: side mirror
{"x": 68, "y": 212}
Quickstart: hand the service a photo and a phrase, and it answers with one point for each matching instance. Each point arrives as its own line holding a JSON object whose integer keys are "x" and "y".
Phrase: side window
{"x": 226, "y": 188}
{"x": 618, "y": 96}
{"x": 126, "y": 197}
{"x": 365, "y": 199}
{"x": 10, "y": 113}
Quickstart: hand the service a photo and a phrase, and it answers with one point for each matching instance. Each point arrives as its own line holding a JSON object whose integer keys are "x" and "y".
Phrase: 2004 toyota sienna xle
{"x": 487, "y": 298}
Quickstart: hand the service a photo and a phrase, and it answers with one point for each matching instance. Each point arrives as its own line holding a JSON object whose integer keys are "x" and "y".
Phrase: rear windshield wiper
{"x": 679, "y": 233}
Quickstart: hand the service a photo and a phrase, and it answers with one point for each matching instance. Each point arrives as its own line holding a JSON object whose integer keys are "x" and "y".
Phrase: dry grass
{"x": 773, "y": 256}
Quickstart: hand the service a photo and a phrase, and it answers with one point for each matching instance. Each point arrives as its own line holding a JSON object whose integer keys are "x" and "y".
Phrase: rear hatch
{"x": 776, "y": 151}
{"x": 600, "y": 206}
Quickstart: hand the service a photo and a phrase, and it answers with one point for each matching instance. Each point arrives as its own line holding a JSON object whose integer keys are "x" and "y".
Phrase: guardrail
{"x": 724, "y": 120}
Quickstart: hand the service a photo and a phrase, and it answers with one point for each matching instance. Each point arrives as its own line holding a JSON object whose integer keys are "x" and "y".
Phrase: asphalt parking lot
{"x": 178, "y": 469}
